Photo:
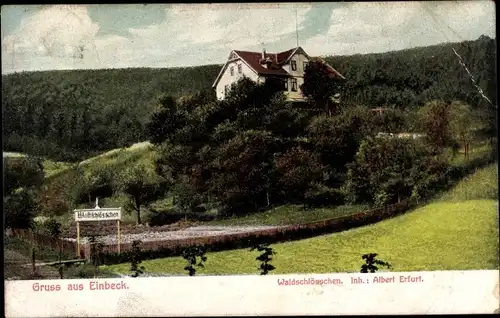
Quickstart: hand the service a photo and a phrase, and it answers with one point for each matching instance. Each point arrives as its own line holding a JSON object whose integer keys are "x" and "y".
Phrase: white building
{"x": 257, "y": 66}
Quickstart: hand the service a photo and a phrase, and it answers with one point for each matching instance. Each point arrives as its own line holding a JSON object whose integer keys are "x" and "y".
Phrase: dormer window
{"x": 239, "y": 69}
{"x": 232, "y": 70}
{"x": 294, "y": 65}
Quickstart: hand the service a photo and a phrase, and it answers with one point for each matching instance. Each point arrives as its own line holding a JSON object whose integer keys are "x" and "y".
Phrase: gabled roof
{"x": 329, "y": 67}
{"x": 253, "y": 60}
{"x": 275, "y": 67}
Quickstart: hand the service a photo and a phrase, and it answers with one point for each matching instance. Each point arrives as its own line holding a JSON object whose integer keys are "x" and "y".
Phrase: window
{"x": 239, "y": 68}
{"x": 305, "y": 65}
{"x": 232, "y": 70}
{"x": 226, "y": 89}
{"x": 294, "y": 84}
{"x": 285, "y": 84}
{"x": 294, "y": 65}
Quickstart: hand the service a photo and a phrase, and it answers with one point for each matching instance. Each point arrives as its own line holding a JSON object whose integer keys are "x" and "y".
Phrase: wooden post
{"x": 118, "y": 234}
{"x": 77, "y": 239}
{"x": 33, "y": 260}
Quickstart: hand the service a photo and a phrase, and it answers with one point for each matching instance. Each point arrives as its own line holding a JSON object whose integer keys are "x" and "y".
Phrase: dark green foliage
{"x": 223, "y": 151}
{"x": 23, "y": 177}
{"x": 265, "y": 258}
{"x": 394, "y": 120}
{"x": 191, "y": 254}
{"x": 320, "y": 86}
{"x": 336, "y": 140}
{"x": 136, "y": 259}
{"x": 321, "y": 195}
{"x": 388, "y": 170}
{"x": 435, "y": 118}
{"x": 372, "y": 264}
{"x": 412, "y": 77}
{"x": 19, "y": 209}
{"x": 142, "y": 186}
{"x": 69, "y": 115}
{"x": 21, "y": 172}
{"x": 53, "y": 228}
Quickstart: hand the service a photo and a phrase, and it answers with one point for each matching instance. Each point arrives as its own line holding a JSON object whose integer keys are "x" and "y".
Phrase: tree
{"x": 464, "y": 124}
{"x": 386, "y": 171}
{"x": 141, "y": 185}
{"x": 242, "y": 170}
{"x": 336, "y": 140}
{"x": 22, "y": 172}
{"x": 23, "y": 177}
{"x": 297, "y": 169}
{"x": 320, "y": 85}
{"x": 435, "y": 120}
{"x": 20, "y": 207}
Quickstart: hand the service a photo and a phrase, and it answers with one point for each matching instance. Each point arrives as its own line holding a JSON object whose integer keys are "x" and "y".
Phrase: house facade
{"x": 288, "y": 66}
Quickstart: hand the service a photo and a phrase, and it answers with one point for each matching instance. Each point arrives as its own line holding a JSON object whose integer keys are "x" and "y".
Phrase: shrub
{"x": 191, "y": 254}
{"x": 321, "y": 195}
{"x": 370, "y": 265}
{"x": 265, "y": 258}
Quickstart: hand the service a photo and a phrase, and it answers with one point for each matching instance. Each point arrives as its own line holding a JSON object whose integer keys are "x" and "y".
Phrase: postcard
{"x": 250, "y": 159}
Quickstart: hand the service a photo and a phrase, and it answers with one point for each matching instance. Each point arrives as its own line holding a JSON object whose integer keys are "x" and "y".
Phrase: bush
{"x": 322, "y": 195}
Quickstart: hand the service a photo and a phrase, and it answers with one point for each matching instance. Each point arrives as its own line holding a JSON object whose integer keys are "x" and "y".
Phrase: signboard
{"x": 102, "y": 214}
{"x": 97, "y": 214}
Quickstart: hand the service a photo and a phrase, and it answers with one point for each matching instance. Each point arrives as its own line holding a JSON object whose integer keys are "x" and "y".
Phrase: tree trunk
{"x": 267, "y": 197}
{"x": 60, "y": 260}
{"x": 33, "y": 261}
{"x": 138, "y": 209}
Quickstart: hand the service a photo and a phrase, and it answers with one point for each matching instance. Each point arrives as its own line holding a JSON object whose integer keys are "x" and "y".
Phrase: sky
{"x": 57, "y": 37}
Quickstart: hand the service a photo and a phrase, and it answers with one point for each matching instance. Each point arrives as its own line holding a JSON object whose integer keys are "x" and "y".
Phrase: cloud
{"x": 56, "y": 35}
{"x": 61, "y": 37}
{"x": 381, "y": 27}
{"x": 65, "y": 37}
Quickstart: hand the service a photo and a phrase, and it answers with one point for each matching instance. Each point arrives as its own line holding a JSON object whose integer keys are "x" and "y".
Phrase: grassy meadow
{"x": 458, "y": 231}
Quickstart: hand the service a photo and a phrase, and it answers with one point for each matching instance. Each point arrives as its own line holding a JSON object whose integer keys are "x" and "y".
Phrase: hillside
{"x": 73, "y": 115}
{"x": 455, "y": 232}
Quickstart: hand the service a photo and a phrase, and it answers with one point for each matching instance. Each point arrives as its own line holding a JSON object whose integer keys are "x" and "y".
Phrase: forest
{"x": 72, "y": 115}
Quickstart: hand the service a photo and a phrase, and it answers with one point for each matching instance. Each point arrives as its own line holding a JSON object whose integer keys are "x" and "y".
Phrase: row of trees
{"x": 254, "y": 149}
{"x": 71, "y": 115}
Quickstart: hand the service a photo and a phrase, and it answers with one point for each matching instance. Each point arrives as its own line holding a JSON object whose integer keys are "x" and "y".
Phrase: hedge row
{"x": 168, "y": 248}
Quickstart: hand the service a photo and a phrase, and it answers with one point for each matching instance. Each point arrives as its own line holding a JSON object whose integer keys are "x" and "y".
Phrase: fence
{"x": 167, "y": 248}
{"x": 44, "y": 240}
{"x": 174, "y": 247}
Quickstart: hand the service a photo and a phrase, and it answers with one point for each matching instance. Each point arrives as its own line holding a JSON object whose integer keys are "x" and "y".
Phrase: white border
{"x": 440, "y": 292}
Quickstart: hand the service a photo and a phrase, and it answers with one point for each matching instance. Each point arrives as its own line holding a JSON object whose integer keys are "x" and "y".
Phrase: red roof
{"x": 276, "y": 60}
{"x": 328, "y": 66}
{"x": 253, "y": 59}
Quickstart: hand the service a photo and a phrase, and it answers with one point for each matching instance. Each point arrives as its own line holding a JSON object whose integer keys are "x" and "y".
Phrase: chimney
{"x": 263, "y": 54}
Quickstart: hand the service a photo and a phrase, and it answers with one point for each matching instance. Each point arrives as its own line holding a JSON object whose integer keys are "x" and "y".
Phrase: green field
{"x": 456, "y": 232}
{"x": 290, "y": 214}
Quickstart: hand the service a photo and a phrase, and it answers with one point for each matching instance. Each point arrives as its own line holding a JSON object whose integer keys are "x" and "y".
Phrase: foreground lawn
{"x": 439, "y": 236}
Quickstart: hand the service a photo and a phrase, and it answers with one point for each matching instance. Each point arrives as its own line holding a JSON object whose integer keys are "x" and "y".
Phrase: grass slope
{"x": 455, "y": 232}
